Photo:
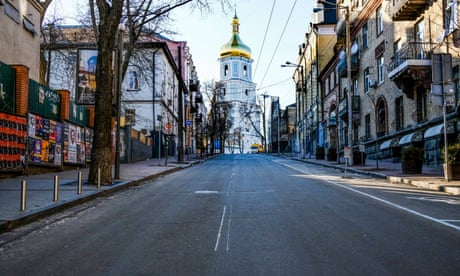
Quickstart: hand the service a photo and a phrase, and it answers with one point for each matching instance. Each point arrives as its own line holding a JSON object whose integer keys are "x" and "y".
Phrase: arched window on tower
{"x": 225, "y": 70}
{"x": 245, "y": 71}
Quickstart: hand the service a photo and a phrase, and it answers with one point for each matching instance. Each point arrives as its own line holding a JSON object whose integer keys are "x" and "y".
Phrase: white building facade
{"x": 236, "y": 101}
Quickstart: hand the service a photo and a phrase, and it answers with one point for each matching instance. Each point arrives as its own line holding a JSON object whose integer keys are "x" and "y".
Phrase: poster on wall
{"x": 44, "y": 140}
{"x": 75, "y": 148}
{"x": 86, "y": 76}
{"x": 88, "y": 143}
{"x": 13, "y": 134}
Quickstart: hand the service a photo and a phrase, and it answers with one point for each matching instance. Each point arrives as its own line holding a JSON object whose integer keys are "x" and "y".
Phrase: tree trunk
{"x": 101, "y": 153}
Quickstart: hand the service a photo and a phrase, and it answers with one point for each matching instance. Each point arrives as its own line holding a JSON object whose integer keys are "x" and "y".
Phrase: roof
{"x": 235, "y": 47}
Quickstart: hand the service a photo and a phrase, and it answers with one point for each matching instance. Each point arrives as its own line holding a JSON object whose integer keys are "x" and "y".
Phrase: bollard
{"x": 79, "y": 183}
{"x": 23, "y": 195}
{"x": 56, "y": 188}
{"x": 98, "y": 178}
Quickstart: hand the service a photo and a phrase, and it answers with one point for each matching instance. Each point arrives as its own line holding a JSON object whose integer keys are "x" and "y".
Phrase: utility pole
{"x": 180, "y": 155}
{"x": 264, "y": 124}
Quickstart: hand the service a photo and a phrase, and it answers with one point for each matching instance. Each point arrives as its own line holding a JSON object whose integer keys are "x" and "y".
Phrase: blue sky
{"x": 205, "y": 34}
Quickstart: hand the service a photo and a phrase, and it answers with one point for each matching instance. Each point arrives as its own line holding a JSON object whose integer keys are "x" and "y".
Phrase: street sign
{"x": 347, "y": 152}
{"x": 188, "y": 122}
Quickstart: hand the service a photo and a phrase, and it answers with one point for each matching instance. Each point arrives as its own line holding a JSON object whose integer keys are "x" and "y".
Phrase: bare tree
{"x": 141, "y": 18}
{"x": 138, "y": 16}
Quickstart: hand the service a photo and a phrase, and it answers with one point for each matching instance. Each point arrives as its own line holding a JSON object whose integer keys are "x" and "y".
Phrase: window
{"x": 379, "y": 18}
{"x": 456, "y": 77}
{"x": 12, "y": 12}
{"x": 366, "y": 80}
{"x": 326, "y": 86}
{"x": 368, "y": 126}
{"x": 235, "y": 69}
{"x": 130, "y": 116}
{"x": 421, "y": 104}
{"x": 381, "y": 119}
{"x": 420, "y": 38}
{"x": 245, "y": 71}
{"x": 399, "y": 112}
{"x": 397, "y": 56}
{"x": 133, "y": 80}
{"x": 355, "y": 87}
{"x": 333, "y": 80}
{"x": 225, "y": 70}
{"x": 381, "y": 70}
{"x": 365, "y": 36}
{"x": 450, "y": 16}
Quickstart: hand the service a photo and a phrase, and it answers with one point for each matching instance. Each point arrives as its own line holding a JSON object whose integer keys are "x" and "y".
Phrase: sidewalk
{"x": 40, "y": 188}
{"x": 430, "y": 179}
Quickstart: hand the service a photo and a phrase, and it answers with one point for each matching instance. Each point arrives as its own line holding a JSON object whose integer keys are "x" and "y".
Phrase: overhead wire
{"x": 279, "y": 41}
{"x": 265, "y": 36}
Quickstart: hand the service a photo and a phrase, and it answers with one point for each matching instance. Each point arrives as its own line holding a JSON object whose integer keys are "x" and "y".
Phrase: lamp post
{"x": 349, "y": 84}
{"x": 299, "y": 108}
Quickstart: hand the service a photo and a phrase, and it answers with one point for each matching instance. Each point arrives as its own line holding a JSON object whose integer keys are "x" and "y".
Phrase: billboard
{"x": 86, "y": 76}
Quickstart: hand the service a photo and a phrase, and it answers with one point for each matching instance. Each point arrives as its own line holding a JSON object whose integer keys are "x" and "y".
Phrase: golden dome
{"x": 235, "y": 47}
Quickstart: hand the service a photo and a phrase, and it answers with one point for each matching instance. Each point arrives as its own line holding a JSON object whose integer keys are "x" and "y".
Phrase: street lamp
{"x": 349, "y": 95}
{"x": 300, "y": 105}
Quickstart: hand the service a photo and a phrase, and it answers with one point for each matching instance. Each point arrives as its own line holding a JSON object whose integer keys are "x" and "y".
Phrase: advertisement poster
{"x": 86, "y": 76}
{"x": 44, "y": 140}
{"x": 88, "y": 143}
{"x": 75, "y": 145}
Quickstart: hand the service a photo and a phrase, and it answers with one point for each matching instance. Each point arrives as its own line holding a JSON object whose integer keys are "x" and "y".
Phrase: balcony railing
{"x": 355, "y": 107}
{"x": 412, "y": 51}
{"x": 342, "y": 65}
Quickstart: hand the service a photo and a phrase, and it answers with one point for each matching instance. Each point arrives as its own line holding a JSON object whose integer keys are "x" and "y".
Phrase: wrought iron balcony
{"x": 410, "y": 65}
{"x": 355, "y": 107}
{"x": 194, "y": 85}
{"x": 403, "y": 10}
{"x": 342, "y": 65}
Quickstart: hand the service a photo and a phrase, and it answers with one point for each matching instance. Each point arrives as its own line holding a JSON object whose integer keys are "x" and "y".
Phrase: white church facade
{"x": 237, "y": 98}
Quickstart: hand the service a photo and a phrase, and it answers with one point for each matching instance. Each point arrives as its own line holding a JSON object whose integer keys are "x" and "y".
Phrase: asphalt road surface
{"x": 246, "y": 215}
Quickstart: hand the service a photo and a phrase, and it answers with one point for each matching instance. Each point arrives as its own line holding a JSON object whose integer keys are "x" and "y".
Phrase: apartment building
{"x": 404, "y": 67}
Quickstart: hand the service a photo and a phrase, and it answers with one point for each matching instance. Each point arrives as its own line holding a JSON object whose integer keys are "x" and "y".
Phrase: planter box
{"x": 411, "y": 167}
{"x": 451, "y": 172}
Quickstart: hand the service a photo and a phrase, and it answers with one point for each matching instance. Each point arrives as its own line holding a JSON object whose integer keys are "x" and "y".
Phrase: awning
{"x": 406, "y": 139}
{"x": 411, "y": 137}
{"x": 433, "y": 131}
{"x": 389, "y": 144}
{"x": 386, "y": 144}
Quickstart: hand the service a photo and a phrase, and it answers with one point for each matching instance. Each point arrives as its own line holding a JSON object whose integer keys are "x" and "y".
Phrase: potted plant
{"x": 412, "y": 160}
{"x": 359, "y": 158}
{"x": 452, "y": 168}
{"x": 332, "y": 154}
{"x": 320, "y": 153}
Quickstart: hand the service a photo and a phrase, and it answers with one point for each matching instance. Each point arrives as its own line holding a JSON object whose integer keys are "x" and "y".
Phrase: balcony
{"x": 355, "y": 107}
{"x": 194, "y": 85}
{"x": 403, "y": 10}
{"x": 411, "y": 66}
{"x": 342, "y": 65}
